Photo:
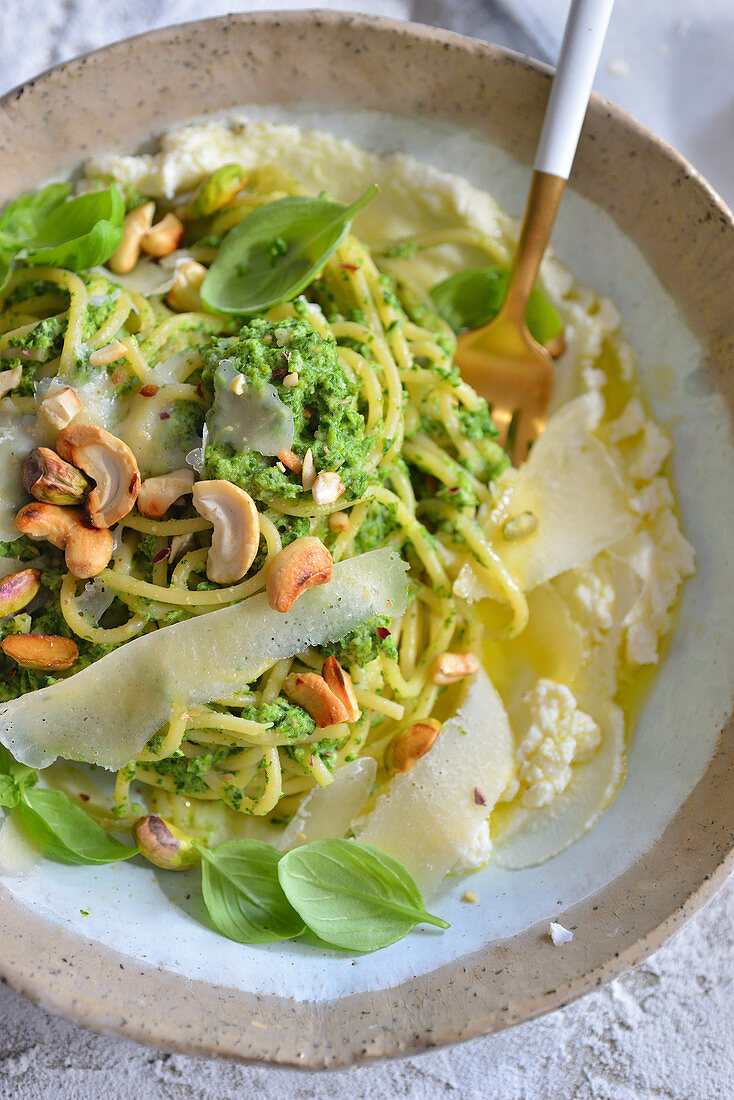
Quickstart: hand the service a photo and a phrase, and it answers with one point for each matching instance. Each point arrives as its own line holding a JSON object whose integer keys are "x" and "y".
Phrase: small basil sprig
{"x": 47, "y": 227}
{"x": 62, "y": 829}
{"x": 239, "y": 881}
{"x": 472, "y": 298}
{"x": 276, "y": 251}
{"x": 353, "y": 895}
{"x": 65, "y": 832}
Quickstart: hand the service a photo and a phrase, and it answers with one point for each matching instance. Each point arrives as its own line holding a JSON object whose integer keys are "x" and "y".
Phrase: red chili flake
{"x": 161, "y": 555}
{"x": 118, "y": 376}
{"x": 453, "y": 489}
{"x": 279, "y": 374}
{"x": 479, "y": 798}
{"x": 148, "y": 390}
{"x": 349, "y": 267}
{"x": 382, "y": 632}
{"x": 164, "y": 415}
{"x": 84, "y": 797}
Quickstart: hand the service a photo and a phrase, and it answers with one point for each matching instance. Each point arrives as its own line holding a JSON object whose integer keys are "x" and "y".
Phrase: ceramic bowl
{"x": 639, "y": 224}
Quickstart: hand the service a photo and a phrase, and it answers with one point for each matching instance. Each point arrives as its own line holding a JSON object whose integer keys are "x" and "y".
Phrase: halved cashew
{"x": 9, "y": 379}
{"x": 165, "y": 237}
{"x": 157, "y": 494}
{"x": 110, "y": 353}
{"x": 18, "y": 589}
{"x": 86, "y": 549}
{"x": 184, "y": 295}
{"x": 340, "y": 682}
{"x": 449, "y": 668}
{"x": 49, "y": 652}
{"x": 60, "y": 408}
{"x": 412, "y": 743}
{"x": 327, "y": 487}
{"x": 110, "y": 462}
{"x": 135, "y": 226}
{"x": 48, "y": 478}
{"x": 236, "y": 523}
{"x": 311, "y": 692}
{"x": 302, "y": 564}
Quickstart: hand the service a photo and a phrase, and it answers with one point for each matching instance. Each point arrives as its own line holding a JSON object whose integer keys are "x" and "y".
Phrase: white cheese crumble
{"x": 559, "y": 934}
{"x": 560, "y": 735}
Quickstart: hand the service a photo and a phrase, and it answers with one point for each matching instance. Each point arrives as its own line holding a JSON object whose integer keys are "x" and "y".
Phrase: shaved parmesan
{"x": 247, "y": 417}
{"x": 147, "y": 277}
{"x": 329, "y": 811}
{"x": 573, "y": 488}
{"x": 430, "y": 815}
{"x": 523, "y": 836}
{"x": 15, "y": 445}
{"x": 106, "y": 713}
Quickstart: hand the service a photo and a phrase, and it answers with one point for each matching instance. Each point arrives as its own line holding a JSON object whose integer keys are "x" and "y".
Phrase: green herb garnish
{"x": 276, "y": 251}
{"x": 65, "y": 832}
{"x": 239, "y": 882}
{"x": 472, "y": 298}
{"x": 47, "y": 227}
{"x": 353, "y": 895}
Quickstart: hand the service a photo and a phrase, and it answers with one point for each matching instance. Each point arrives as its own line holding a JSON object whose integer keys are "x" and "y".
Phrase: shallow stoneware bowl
{"x": 639, "y": 224}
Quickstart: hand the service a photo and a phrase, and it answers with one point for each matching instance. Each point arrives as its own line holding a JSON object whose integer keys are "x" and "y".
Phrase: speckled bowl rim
{"x": 502, "y": 984}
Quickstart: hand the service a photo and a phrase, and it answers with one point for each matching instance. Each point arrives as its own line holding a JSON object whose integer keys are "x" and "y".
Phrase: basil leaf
{"x": 80, "y": 233}
{"x": 353, "y": 895}
{"x": 6, "y": 266}
{"x": 9, "y": 792}
{"x": 276, "y": 251}
{"x": 65, "y": 832}
{"x": 241, "y": 890}
{"x": 5, "y": 760}
{"x": 472, "y": 298}
{"x": 21, "y": 220}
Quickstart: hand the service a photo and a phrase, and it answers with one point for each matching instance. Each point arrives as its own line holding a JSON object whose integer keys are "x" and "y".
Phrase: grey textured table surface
{"x": 664, "y": 1030}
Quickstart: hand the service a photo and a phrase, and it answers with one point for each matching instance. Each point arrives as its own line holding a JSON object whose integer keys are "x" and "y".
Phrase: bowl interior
{"x": 655, "y": 831}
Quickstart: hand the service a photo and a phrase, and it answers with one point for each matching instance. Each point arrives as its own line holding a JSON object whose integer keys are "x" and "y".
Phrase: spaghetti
{"x": 256, "y": 753}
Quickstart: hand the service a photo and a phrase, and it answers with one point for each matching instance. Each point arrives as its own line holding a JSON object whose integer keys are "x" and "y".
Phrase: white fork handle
{"x": 583, "y": 38}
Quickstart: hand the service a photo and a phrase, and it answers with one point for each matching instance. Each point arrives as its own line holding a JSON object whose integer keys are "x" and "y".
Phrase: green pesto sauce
{"x": 187, "y": 772}
{"x": 287, "y": 719}
{"x": 324, "y": 403}
{"x": 362, "y": 645}
{"x": 22, "y": 548}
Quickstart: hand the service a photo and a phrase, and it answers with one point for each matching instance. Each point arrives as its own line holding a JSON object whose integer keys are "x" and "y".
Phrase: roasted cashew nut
{"x": 311, "y": 692}
{"x": 236, "y": 523}
{"x": 412, "y": 743}
{"x": 86, "y": 549}
{"x": 110, "y": 462}
{"x": 303, "y": 564}
{"x": 134, "y": 228}
{"x": 157, "y": 494}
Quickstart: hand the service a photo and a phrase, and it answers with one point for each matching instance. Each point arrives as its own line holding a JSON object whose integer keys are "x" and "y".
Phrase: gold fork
{"x": 501, "y": 360}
